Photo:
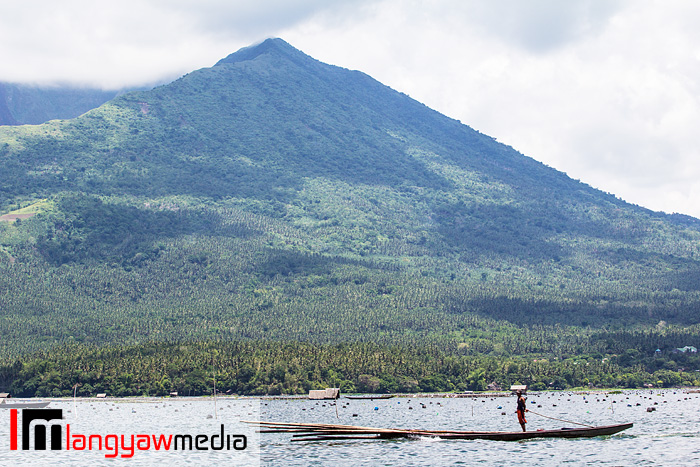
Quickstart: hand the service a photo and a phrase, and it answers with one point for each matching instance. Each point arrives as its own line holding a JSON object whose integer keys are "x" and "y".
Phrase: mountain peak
{"x": 272, "y": 46}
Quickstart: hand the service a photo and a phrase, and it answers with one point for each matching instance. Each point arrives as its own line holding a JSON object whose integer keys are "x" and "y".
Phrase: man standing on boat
{"x": 522, "y": 408}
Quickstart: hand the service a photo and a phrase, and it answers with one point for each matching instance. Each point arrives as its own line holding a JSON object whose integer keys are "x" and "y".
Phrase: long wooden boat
{"x": 325, "y": 432}
{"x": 23, "y": 405}
{"x": 370, "y": 398}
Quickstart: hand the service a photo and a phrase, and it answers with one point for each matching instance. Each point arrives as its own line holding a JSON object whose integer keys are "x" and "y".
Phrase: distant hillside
{"x": 275, "y": 197}
{"x": 25, "y": 104}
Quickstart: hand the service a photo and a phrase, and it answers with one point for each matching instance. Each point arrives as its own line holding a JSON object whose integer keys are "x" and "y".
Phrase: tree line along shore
{"x": 288, "y": 368}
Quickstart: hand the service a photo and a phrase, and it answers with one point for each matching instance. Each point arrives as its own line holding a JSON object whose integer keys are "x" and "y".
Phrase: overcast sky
{"x": 604, "y": 90}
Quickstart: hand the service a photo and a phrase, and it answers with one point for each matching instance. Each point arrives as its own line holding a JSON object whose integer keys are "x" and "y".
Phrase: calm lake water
{"x": 668, "y": 436}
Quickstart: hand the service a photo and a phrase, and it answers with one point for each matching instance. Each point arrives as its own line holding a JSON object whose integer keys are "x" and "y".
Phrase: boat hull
{"x": 368, "y": 398}
{"x": 24, "y": 405}
{"x": 325, "y": 432}
{"x": 522, "y": 435}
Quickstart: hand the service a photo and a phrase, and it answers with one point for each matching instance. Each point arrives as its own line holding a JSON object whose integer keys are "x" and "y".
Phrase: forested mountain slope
{"x": 274, "y": 197}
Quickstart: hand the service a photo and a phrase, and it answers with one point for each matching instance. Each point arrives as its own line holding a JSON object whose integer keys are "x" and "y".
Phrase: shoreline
{"x": 304, "y": 397}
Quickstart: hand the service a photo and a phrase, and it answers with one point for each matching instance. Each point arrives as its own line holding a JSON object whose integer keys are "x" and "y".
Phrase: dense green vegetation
{"x": 272, "y": 199}
{"x": 260, "y": 368}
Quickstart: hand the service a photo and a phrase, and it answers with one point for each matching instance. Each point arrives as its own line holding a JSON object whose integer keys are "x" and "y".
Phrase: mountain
{"x": 275, "y": 197}
{"x": 22, "y": 104}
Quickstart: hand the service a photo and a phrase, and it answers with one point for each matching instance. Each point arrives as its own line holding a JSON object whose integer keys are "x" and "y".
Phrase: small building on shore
{"x": 321, "y": 394}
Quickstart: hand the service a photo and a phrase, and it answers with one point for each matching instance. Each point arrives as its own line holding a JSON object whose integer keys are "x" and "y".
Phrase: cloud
{"x": 88, "y": 42}
{"x": 243, "y": 18}
{"x": 540, "y": 25}
{"x": 131, "y": 42}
